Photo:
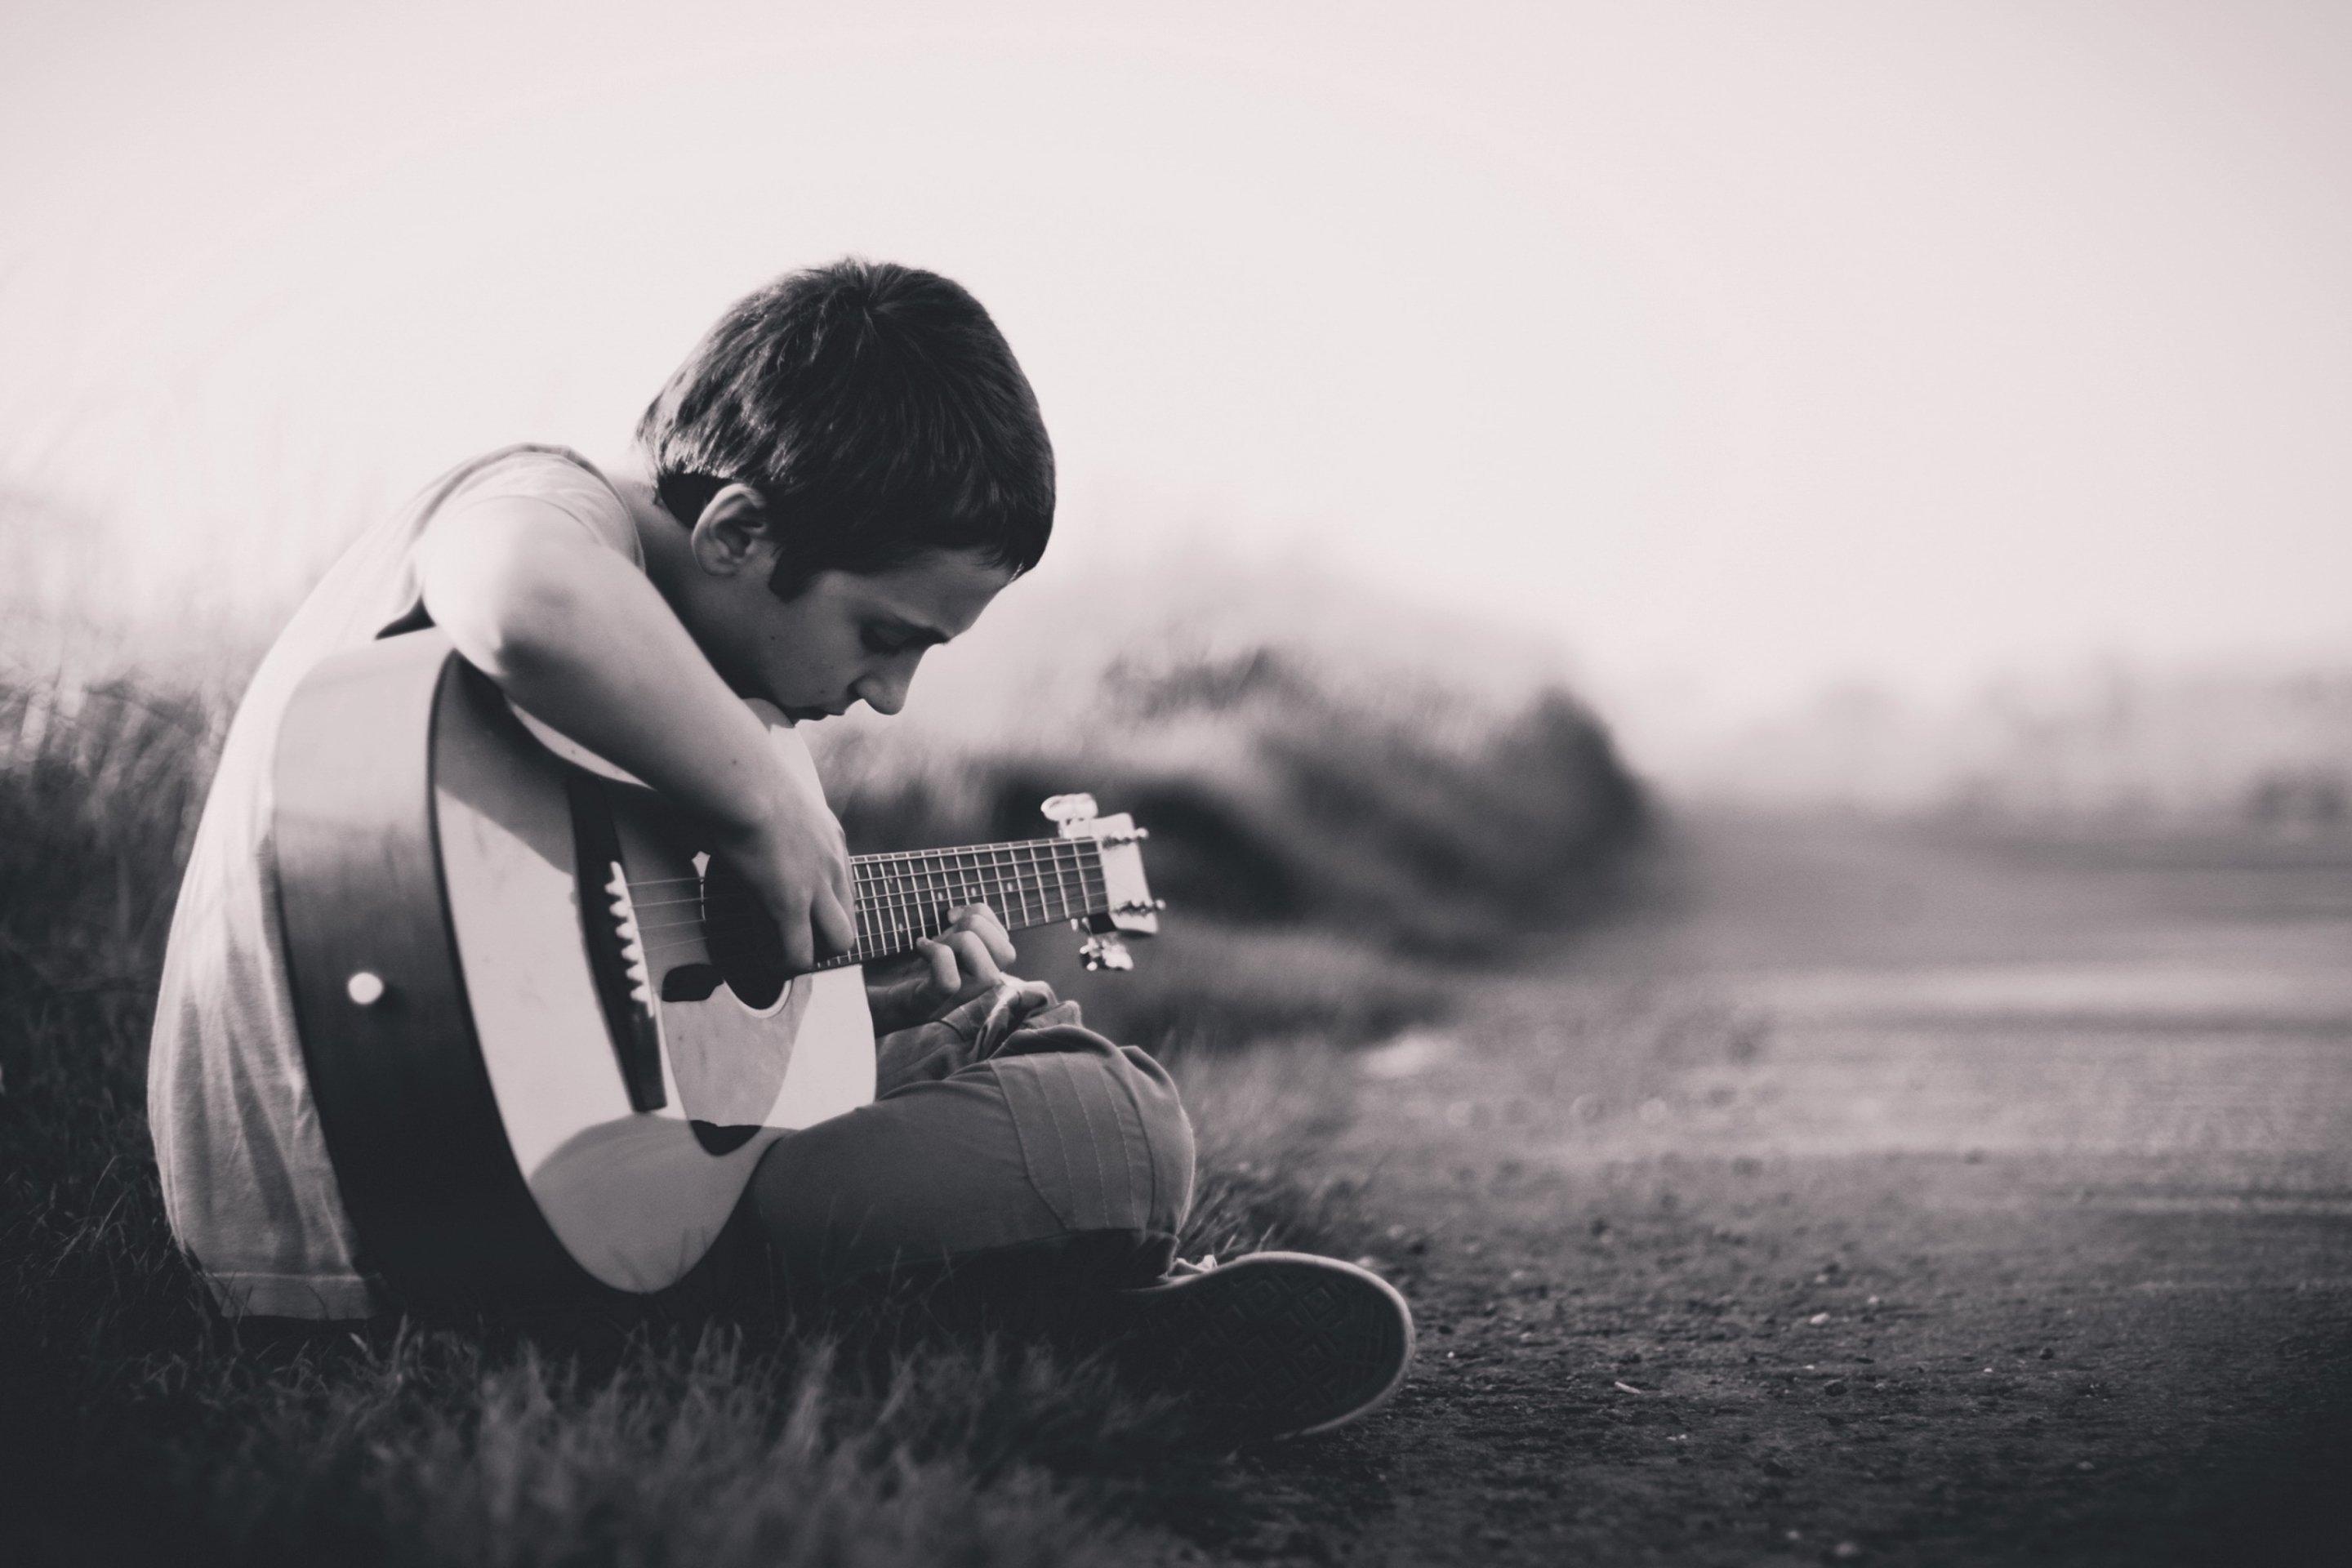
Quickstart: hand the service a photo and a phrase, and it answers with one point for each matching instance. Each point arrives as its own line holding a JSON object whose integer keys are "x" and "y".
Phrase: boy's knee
{"x": 1061, "y": 1134}
{"x": 1102, "y": 1129}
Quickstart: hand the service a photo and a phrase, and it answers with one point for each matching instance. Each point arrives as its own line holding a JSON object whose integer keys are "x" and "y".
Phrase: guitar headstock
{"x": 1133, "y": 911}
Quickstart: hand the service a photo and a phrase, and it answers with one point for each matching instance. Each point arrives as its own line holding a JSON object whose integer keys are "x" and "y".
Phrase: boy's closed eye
{"x": 891, "y": 638}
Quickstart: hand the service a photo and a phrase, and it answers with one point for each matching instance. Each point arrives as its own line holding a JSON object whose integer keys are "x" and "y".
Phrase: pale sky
{"x": 1741, "y": 349}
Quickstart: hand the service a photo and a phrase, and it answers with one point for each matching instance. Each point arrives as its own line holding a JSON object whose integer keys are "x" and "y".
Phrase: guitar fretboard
{"x": 905, "y": 898}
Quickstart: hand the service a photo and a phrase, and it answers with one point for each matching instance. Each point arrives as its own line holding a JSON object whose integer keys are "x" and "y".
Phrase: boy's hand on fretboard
{"x": 963, "y": 962}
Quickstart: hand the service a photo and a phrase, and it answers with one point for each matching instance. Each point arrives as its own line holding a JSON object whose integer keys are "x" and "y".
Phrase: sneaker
{"x": 1274, "y": 1344}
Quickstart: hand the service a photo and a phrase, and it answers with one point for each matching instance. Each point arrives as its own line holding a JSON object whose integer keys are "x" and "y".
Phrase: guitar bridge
{"x": 616, "y": 957}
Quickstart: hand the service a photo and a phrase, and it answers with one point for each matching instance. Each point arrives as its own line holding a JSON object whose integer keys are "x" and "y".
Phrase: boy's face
{"x": 847, "y": 636}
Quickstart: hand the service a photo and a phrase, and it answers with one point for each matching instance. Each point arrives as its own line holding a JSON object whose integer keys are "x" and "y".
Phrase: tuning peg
{"x": 1068, "y": 808}
{"x": 1105, "y": 951}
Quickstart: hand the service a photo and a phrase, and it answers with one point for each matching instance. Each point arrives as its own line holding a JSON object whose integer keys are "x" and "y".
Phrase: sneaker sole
{"x": 1274, "y": 1344}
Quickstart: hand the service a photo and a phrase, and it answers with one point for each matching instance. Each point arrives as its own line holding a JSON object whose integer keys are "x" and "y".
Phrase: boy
{"x": 845, "y": 474}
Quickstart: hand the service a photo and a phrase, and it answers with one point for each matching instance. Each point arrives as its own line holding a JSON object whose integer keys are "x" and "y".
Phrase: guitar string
{"x": 908, "y": 857}
{"x": 925, "y": 864}
{"x": 1070, "y": 909}
{"x": 898, "y": 900}
{"x": 1021, "y": 879}
{"x": 960, "y": 862}
{"x": 954, "y": 886}
{"x": 1044, "y": 900}
{"x": 889, "y": 944}
{"x": 897, "y": 934}
{"x": 959, "y": 876}
{"x": 927, "y": 884}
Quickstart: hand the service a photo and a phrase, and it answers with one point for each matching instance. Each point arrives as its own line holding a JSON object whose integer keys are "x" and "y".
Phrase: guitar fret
{"x": 1009, "y": 879}
{"x": 858, "y": 916}
{"x": 911, "y": 903}
{"x": 903, "y": 898}
{"x": 878, "y": 910}
{"x": 900, "y": 901}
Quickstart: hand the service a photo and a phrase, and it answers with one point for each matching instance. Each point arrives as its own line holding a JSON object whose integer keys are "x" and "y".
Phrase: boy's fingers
{"x": 945, "y": 976}
{"x": 982, "y": 922}
{"x": 799, "y": 952}
{"x": 834, "y": 932}
{"x": 972, "y": 953}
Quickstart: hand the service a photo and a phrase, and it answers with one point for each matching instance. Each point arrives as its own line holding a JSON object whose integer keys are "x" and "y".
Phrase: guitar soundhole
{"x": 717, "y": 1140}
{"x": 741, "y": 937}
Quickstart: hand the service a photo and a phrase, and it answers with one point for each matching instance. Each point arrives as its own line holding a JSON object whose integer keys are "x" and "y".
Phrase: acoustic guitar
{"x": 548, "y": 1036}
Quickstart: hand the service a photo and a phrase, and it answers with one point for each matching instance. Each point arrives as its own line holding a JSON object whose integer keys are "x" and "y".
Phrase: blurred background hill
{"x": 2118, "y": 743}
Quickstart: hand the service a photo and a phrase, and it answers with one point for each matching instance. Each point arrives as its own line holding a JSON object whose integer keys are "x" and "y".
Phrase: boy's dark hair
{"x": 877, "y": 411}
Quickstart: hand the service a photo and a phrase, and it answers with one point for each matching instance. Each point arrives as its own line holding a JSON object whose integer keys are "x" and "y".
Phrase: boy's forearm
{"x": 579, "y": 637}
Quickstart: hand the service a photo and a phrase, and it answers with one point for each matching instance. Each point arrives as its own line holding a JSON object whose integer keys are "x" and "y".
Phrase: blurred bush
{"x": 1277, "y": 796}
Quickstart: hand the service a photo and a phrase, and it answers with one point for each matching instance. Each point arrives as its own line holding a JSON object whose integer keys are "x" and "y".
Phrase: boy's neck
{"x": 666, "y": 542}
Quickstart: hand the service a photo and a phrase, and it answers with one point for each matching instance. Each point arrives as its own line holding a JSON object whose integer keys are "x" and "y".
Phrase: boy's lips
{"x": 801, "y": 715}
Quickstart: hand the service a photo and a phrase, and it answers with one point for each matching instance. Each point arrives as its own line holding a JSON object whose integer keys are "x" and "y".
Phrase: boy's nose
{"x": 885, "y": 691}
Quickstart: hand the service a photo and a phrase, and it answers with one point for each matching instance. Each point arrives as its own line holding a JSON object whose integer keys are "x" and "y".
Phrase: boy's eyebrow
{"x": 917, "y": 631}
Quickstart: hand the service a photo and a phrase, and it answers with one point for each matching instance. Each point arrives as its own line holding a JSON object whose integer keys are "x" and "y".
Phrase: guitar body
{"x": 546, "y": 1049}
{"x": 482, "y": 1132}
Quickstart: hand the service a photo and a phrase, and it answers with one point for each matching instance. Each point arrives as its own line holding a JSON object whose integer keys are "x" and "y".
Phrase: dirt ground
{"x": 1874, "y": 1196}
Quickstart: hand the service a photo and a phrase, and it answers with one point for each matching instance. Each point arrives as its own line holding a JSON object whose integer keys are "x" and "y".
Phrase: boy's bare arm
{"x": 578, "y": 635}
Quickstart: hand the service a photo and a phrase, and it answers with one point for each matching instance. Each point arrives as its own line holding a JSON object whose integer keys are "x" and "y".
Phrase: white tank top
{"x": 248, "y": 1186}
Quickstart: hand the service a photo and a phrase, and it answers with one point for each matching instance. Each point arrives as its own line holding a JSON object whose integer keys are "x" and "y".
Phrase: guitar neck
{"x": 904, "y": 898}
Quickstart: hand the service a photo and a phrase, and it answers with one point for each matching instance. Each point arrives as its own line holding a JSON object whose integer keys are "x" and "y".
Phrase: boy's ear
{"x": 733, "y": 530}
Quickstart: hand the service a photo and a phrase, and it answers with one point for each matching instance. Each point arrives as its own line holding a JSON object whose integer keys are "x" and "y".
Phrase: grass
{"x": 136, "y": 1425}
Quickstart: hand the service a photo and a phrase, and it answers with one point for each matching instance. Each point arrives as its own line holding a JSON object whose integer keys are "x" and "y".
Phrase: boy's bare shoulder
{"x": 542, "y": 480}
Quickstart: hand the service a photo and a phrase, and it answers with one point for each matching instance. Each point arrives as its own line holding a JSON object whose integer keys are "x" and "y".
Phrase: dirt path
{"x": 1880, "y": 1199}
